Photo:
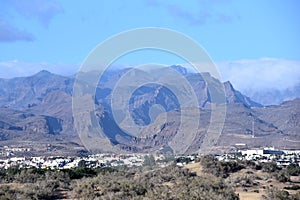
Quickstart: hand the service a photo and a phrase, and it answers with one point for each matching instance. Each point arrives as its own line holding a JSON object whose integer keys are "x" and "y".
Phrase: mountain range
{"x": 36, "y": 112}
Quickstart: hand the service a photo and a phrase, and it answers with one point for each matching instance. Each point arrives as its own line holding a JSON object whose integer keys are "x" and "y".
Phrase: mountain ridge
{"x": 47, "y": 99}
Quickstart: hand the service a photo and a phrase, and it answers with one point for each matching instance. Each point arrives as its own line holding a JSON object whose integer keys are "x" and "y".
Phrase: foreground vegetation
{"x": 217, "y": 181}
{"x": 254, "y": 180}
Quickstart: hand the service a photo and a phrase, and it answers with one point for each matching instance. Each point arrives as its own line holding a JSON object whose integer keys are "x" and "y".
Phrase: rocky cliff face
{"x": 39, "y": 106}
{"x": 285, "y": 116}
{"x": 26, "y": 92}
{"x": 234, "y": 96}
{"x": 18, "y": 124}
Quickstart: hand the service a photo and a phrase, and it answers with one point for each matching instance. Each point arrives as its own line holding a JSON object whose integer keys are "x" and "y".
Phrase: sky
{"x": 59, "y": 34}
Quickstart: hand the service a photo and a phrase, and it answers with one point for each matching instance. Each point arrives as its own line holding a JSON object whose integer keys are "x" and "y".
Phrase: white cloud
{"x": 268, "y": 81}
{"x": 261, "y": 74}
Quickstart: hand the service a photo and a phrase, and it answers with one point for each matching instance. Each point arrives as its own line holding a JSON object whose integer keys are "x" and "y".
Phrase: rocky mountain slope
{"x": 39, "y": 108}
{"x": 26, "y": 92}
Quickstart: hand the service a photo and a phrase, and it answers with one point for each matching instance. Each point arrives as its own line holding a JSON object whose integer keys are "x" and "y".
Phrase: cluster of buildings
{"x": 12, "y": 150}
{"x": 281, "y": 157}
{"x": 57, "y": 162}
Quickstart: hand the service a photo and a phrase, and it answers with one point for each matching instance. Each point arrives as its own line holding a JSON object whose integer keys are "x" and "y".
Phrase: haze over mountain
{"x": 268, "y": 81}
{"x": 37, "y": 110}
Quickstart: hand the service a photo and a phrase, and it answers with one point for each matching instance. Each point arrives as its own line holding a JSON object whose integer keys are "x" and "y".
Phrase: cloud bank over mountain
{"x": 265, "y": 80}
{"x": 261, "y": 74}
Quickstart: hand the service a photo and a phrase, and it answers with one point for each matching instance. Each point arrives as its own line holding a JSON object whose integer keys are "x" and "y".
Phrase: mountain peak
{"x": 179, "y": 69}
{"x": 228, "y": 85}
{"x": 43, "y": 73}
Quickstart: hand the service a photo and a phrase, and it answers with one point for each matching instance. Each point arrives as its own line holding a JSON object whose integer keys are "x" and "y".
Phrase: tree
{"x": 149, "y": 160}
{"x": 269, "y": 167}
{"x": 293, "y": 169}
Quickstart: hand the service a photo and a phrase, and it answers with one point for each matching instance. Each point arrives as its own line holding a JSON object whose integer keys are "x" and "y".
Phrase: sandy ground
{"x": 263, "y": 179}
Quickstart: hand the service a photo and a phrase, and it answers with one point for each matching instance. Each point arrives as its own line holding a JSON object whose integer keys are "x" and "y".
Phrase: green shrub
{"x": 293, "y": 169}
{"x": 293, "y": 187}
{"x": 276, "y": 194}
{"x": 282, "y": 176}
{"x": 220, "y": 168}
{"x": 269, "y": 167}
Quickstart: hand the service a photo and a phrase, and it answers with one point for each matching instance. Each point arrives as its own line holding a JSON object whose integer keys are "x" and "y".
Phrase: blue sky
{"x": 58, "y": 35}
{"x": 66, "y": 31}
